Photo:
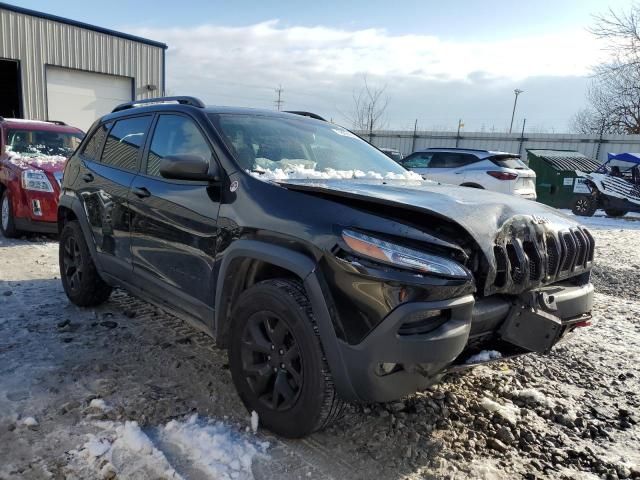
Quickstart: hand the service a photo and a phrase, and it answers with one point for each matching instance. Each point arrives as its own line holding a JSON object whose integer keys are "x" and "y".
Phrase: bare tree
{"x": 369, "y": 108}
{"x": 614, "y": 91}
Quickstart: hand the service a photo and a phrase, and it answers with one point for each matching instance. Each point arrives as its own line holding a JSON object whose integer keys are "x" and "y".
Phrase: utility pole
{"x": 517, "y": 91}
{"x": 460, "y": 125}
{"x": 279, "y": 101}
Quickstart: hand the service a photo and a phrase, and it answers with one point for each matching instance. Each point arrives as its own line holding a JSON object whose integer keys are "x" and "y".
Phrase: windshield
{"x": 35, "y": 143}
{"x": 508, "y": 162}
{"x": 281, "y": 148}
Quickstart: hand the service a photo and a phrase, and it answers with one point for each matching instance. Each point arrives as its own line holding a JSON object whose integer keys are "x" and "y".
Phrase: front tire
{"x": 277, "y": 362}
{"x": 584, "y": 206}
{"x": 614, "y": 212}
{"x": 7, "y": 220}
{"x": 80, "y": 279}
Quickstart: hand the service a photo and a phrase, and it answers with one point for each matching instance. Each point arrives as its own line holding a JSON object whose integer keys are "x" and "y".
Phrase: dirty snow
{"x": 26, "y": 160}
{"x": 484, "y": 356}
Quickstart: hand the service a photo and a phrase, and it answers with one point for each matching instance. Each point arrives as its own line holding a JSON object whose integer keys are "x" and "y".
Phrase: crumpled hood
{"x": 482, "y": 213}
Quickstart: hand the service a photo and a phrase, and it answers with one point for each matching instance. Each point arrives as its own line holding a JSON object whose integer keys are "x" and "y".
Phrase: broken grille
{"x": 543, "y": 259}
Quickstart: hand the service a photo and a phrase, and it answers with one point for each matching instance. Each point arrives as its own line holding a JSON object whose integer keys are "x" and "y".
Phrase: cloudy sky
{"x": 440, "y": 61}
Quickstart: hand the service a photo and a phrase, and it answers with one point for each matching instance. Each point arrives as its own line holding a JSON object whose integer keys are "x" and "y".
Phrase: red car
{"x": 32, "y": 159}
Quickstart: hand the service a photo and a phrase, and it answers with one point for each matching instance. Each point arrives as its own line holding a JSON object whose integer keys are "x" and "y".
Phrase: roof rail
{"x": 57, "y": 122}
{"x": 182, "y": 100}
{"x": 306, "y": 114}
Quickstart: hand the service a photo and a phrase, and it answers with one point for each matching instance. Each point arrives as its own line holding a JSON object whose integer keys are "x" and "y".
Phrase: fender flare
{"x": 73, "y": 204}
{"x": 303, "y": 267}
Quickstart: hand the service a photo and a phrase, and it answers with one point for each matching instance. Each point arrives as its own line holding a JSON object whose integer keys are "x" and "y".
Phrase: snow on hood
{"x": 304, "y": 172}
{"x": 48, "y": 163}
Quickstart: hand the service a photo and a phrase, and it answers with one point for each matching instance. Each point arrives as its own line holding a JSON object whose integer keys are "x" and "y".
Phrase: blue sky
{"x": 440, "y": 61}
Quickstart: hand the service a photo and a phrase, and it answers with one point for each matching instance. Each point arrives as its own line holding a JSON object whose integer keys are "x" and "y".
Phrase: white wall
{"x": 590, "y": 145}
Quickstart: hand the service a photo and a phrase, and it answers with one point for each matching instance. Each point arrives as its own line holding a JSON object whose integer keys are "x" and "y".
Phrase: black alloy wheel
{"x": 271, "y": 361}
{"x": 72, "y": 264}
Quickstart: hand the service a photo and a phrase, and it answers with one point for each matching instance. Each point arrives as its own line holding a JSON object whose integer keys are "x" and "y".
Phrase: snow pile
{"x": 508, "y": 411}
{"x": 99, "y": 404}
{"x": 125, "y": 450}
{"x": 484, "y": 356}
{"x": 29, "y": 422}
{"x": 213, "y": 447}
{"x": 305, "y": 172}
{"x": 533, "y": 395}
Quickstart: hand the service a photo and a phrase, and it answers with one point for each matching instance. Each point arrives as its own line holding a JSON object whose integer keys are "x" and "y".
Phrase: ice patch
{"x": 213, "y": 447}
{"x": 96, "y": 447}
{"x": 255, "y": 420}
{"x": 484, "y": 356}
{"x": 508, "y": 411}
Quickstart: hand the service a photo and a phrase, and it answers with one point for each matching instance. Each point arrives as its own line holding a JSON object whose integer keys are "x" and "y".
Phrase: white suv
{"x": 496, "y": 171}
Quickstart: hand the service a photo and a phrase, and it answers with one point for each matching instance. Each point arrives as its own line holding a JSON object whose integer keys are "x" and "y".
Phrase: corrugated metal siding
{"x": 591, "y": 146}
{"x": 38, "y": 42}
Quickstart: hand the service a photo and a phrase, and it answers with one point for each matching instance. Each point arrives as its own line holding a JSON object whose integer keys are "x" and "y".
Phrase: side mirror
{"x": 189, "y": 167}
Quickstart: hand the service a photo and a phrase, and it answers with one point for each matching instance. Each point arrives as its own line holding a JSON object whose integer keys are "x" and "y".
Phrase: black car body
{"x": 501, "y": 273}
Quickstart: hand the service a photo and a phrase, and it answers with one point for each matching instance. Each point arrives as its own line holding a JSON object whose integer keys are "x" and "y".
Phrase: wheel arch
{"x": 69, "y": 209}
{"x": 254, "y": 260}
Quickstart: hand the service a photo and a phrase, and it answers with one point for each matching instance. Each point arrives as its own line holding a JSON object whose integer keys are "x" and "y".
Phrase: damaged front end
{"x": 529, "y": 295}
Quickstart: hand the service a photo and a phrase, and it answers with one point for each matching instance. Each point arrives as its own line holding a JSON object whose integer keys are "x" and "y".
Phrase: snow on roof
{"x": 566, "y": 160}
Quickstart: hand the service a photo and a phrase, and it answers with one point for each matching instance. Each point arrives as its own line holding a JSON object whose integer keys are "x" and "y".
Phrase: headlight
{"x": 402, "y": 256}
{"x": 36, "y": 180}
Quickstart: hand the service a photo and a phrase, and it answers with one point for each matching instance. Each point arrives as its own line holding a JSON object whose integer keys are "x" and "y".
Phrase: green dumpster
{"x": 556, "y": 179}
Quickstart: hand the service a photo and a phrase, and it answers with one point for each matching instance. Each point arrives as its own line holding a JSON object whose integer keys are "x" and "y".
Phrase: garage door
{"x": 79, "y": 98}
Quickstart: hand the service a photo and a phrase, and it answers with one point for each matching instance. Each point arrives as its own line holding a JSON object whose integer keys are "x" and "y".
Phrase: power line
{"x": 279, "y": 101}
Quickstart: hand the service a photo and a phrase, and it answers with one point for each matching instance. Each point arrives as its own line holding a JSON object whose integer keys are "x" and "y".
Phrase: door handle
{"x": 141, "y": 192}
{"x": 87, "y": 177}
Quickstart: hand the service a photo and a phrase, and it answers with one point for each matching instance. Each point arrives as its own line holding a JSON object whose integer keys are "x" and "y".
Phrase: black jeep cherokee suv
{"x": 328, "y": 271}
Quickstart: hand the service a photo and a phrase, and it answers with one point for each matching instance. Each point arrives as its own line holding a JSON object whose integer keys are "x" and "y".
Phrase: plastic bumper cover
{"x": 424, "y": 356}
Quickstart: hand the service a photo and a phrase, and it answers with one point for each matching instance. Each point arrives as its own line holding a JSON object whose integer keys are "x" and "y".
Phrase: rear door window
{"x": 124, "y": 142}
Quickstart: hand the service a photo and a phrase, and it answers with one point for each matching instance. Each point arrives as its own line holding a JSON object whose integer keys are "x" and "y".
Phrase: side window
{"x": 124, "y": 142}
{"x": 175, "y": 135}
{"x": 451, "y": 160}
{"x": 93, "y": 147}
{"x": 417, "y": 160}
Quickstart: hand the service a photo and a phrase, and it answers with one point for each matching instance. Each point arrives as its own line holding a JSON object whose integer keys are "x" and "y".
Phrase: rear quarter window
{"x": 123, "y": 144}
{"x": 508, "y": 162}
{"x": 93, "y": 148}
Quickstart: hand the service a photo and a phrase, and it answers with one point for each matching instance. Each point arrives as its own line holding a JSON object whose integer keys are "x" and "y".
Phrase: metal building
{"x": 54, "y": 68}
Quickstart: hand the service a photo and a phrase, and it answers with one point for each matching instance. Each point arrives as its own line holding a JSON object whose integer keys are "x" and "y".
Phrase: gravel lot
{"x": 73, "y": 382}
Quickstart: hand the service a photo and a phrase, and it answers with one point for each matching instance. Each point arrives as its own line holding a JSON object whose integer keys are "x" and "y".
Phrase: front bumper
{"x": 420, "y": 354}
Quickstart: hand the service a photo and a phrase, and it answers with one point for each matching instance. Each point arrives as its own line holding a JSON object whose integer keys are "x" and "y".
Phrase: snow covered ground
{"x": 126, "y": 391}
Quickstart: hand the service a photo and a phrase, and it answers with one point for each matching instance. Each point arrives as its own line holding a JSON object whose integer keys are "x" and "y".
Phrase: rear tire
{"x": 584, "y": 206}
{"x": 614, "y": 212}
{"x": 7, "y": 220}
{"x": 78, "y": 273}
{"x": 277, "y": 362}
